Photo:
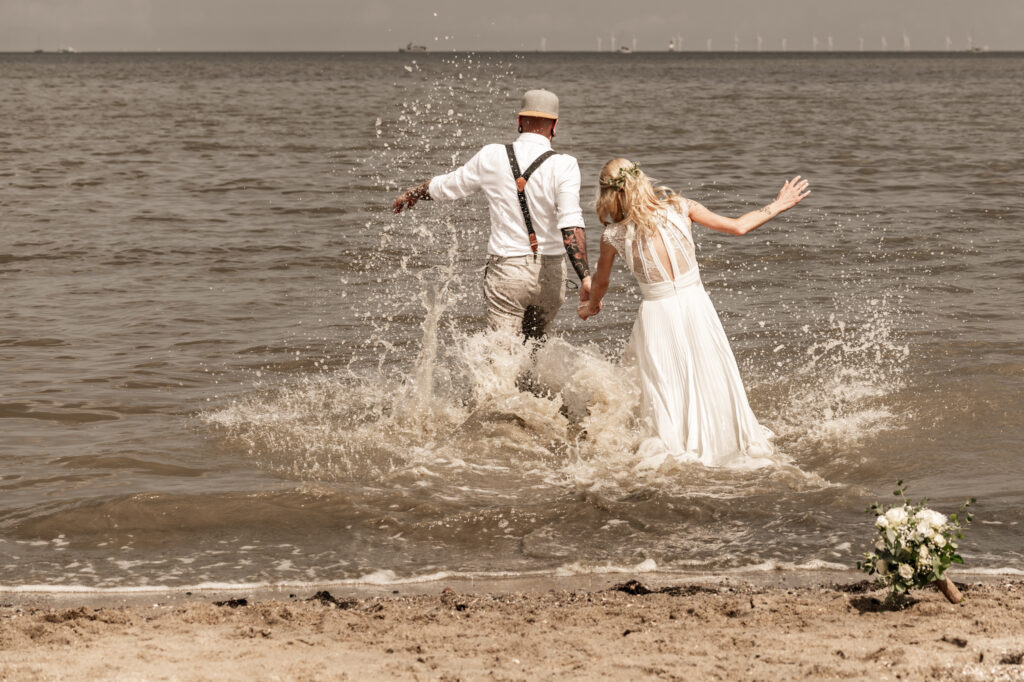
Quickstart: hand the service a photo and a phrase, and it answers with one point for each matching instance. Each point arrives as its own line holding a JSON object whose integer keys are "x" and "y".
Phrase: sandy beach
{"x": 619, "y": 630}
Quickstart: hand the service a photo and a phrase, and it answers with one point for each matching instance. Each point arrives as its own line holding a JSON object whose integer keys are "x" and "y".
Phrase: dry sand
{"x": 691, "y": 631}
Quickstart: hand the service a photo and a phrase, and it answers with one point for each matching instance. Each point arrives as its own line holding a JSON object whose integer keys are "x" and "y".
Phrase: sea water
{"x": 226, "y": 361}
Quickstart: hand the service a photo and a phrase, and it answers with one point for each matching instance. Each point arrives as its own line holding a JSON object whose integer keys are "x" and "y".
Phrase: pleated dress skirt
{"x": 693, "y": 401}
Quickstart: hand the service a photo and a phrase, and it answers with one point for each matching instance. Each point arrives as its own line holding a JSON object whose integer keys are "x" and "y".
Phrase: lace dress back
{"x": 667, "y": 256}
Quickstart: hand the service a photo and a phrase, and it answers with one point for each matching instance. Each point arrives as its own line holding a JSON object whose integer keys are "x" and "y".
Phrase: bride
{"x": 691, "y": 389}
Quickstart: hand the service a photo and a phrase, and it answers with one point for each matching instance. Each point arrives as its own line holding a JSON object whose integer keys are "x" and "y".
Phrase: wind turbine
{"x": 634, "y": 43}
{"x": 814, "y": 43}
{"x": 861, "y": 43}
{"x": 709, "y": 44}
{"x": 735, "y": 42}
{"x": 760, "y": 42}
{"x": 949, "y": 43}
{"x": 599, "y": 43}
{"x": 906, "y": 42}
{"x": 829, "y": 42}
{"x": 885, "y": 44}
{"x": 783, "y": 44}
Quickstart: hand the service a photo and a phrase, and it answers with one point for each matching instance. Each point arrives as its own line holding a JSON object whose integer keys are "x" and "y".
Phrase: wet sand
{"x": 688, "y": 630}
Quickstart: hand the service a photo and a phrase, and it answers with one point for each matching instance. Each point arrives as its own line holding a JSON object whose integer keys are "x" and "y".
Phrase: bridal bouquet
{"x": 915, "y": 545}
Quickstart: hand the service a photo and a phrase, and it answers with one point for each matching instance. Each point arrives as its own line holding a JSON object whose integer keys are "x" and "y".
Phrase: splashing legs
{"x": 534, "y": 323}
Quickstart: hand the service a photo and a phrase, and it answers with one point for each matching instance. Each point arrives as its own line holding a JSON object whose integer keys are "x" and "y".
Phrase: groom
{"x": 534, "y": 199}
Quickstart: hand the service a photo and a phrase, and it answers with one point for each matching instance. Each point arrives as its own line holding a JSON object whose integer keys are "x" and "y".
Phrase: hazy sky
{"x": 94, "y": 25}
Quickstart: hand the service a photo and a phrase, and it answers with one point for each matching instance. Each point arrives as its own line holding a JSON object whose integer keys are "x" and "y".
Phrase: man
{"x": 534, "y": 199}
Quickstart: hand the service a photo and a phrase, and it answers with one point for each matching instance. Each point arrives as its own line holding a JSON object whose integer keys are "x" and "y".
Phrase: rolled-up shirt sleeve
{"x": 460, "y": 183}
{"x": 568, "y": 196}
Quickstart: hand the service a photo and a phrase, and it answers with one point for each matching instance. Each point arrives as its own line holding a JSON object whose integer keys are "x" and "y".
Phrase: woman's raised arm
{"x": 791, "y": 194}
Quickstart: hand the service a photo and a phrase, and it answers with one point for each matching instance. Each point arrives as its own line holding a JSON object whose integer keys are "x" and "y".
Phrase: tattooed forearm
{"x": 575, "y": 240}
{"x": 409, "y": 197}
{"x": 420, "y": 191}
{"x": 766, "y": 210}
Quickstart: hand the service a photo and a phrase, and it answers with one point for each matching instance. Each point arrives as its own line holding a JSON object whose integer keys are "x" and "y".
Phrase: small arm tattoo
{"x": 575, "y": 240}
{"x": 766, "y": 210}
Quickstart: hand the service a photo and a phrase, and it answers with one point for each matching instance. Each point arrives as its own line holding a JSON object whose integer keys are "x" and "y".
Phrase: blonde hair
{"x": 625, "y": 194}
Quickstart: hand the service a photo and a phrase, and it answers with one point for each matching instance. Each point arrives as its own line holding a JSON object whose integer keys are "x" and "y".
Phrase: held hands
{"x": 585, "y": 310}
{"x": 586, "y": 307}
{"x": 792, "y": 193}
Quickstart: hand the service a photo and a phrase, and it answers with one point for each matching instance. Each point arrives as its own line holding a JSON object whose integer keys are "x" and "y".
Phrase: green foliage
{"x": 915, "y": 545}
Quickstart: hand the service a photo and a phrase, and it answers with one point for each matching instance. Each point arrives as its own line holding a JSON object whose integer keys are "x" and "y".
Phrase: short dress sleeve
{"x": 621, "y": 237}
{"x": 613, "y": 235}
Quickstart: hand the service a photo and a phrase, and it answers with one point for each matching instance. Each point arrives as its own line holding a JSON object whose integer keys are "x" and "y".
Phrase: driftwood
{"x": 948, "y": 590}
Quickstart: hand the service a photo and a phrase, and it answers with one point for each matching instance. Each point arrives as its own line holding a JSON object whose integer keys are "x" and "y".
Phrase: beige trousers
{"x": 524, "y": 293}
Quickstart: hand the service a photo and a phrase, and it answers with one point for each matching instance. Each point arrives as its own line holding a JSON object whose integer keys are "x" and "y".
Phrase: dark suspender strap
{"x": 512, "y": 160}
{"x": 540, "y": 159}
{"x": 521, "y": 179}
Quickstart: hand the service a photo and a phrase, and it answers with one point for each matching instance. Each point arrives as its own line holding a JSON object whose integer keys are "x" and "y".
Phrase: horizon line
{"x": 512, "y": 51}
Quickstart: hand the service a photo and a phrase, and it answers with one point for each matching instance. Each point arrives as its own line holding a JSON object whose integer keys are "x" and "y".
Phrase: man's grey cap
{"x": 540, "y": 103}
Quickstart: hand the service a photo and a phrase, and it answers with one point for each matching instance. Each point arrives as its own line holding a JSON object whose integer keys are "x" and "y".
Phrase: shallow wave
{"x": 386, "y": 578}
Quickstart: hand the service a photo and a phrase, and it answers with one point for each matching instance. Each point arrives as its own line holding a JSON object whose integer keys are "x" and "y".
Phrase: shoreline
{"x": 57, "y": 596}
{"x": 627, "y": 626}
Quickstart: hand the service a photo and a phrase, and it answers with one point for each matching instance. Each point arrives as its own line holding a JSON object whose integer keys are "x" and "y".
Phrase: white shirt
{"x": 552, "y": 194}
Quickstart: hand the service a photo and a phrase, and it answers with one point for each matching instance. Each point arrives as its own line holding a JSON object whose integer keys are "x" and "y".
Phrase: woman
{"x": 691, "y": 388}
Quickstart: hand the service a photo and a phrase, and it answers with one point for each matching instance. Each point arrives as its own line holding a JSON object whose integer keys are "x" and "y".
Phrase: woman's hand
{"x": 792, "y": 193}
{"x": 588, "y": 309}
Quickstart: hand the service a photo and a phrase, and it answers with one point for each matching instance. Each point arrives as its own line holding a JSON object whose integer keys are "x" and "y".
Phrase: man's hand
{"x": 585, "y": 289}
{"x": 404, "y": 200}
{"x": 409, "y": 197}
{"x": 585, "y": 309}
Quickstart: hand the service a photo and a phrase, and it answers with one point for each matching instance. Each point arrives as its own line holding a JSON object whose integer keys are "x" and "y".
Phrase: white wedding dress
{"x": 693, "y": 399}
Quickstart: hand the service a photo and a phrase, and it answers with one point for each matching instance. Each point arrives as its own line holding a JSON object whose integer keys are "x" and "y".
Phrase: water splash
{"x": 841, "y": 387}
{"x": 423, "y": 401}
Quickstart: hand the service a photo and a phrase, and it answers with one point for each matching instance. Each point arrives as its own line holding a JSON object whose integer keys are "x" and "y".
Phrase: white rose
{"x": 906, "y": 571}
{"x": 882, "y": 522}
{"x": 939, "y": 539}
{"x": 881, "y": 567}
{"x": 932, "y": 518}
{"x": 879, "y": 545}
{"x": 896, "y": 516}
{"x": 924, "y": 528}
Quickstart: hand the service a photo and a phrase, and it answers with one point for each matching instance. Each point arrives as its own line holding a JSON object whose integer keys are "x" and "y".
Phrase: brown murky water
{"x": 224, "y": 360}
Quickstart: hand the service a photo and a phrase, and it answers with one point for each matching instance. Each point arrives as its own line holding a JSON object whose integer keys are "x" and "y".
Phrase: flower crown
{"x": 619, "y": 180}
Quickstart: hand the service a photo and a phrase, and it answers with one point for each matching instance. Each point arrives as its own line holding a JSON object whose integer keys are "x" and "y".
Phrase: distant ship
{"x": 67, "y": 50}
{"x": 413, "y": 48}
{"x": 625, "y": 49}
